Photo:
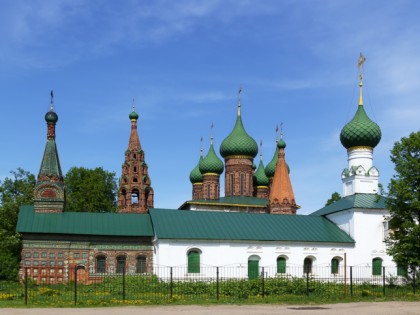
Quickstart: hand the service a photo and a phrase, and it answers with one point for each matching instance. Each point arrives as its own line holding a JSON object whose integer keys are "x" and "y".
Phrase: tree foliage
{"x": 334, "y": 197}
{"x": 90, "y": 190}
{"x": 404, "y": 202}
{"x": 14, "y": 192}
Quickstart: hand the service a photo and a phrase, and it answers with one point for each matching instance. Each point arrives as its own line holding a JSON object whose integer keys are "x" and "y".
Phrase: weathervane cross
{"x": 360, "y": 63}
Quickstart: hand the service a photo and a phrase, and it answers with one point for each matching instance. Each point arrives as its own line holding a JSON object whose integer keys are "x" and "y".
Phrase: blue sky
{"x": 183, "y": 62}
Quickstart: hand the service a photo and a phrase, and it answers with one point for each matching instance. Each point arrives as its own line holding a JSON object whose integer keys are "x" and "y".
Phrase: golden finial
{"x": 239, "y": 100}
{"x": 52, "y": 101}
{"x": 360, "y": 63}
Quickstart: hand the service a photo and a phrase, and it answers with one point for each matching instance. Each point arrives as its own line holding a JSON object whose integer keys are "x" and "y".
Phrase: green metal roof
{"x": 210, "y": 225}
{"x": 84, "y": 223}
{"x": 240, "y": 201}
{"x": 361, "y": 201}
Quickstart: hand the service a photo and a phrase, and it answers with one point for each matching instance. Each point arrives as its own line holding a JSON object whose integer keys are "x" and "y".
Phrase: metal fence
{"x": 176, "y": 284}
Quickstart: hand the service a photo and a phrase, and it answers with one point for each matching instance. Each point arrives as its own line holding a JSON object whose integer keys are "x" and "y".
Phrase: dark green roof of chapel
{"x": 259, "y": 176}
{"x": 211, "y": 163}
{"x": 84, "y": 223}
{"x": 195, "y": 175}
{"x": 211, "y": 225}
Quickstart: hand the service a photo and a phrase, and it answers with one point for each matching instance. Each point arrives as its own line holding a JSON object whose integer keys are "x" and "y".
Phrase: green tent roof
{"x": 210, "y": 225}
{"x": 84, "y": 223}
{"x": 361, "y": 201}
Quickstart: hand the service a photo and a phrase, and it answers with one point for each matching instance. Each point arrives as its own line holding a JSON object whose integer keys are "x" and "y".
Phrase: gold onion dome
{"x": 238, "y": 142}
{"x": 211, "y": 163}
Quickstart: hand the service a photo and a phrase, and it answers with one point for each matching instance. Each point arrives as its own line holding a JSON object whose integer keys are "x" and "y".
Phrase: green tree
{"x": 90, "y": 190}
{"x": 334, "y": 197}
{"x": 14, "y": 192}
{"x": 404, "y": 202}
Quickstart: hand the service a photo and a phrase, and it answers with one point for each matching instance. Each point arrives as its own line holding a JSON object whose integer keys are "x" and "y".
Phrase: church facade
{"x": 253, "y": 225}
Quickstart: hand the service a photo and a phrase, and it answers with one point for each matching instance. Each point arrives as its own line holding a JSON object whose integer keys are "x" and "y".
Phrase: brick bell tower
{"x": 135, "y": 194}
{"x": 49, "y": 193}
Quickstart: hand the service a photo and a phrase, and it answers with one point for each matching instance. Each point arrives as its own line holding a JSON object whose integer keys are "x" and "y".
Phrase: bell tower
{"x": 135, "y": 194}
{"x": 49, "y": 188}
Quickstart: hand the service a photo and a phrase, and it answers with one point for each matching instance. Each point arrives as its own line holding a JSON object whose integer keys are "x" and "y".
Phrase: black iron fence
{"x": 176, "y": 284}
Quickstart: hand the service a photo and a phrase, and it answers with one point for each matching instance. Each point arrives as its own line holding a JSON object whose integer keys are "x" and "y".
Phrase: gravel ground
{"x": 383, "y": 308}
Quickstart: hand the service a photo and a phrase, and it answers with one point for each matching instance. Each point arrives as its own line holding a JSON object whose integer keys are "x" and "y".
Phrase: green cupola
{"x": 211, "y": 163}
{"x": 195, "y": 175}
{"x": 361, "y": 131}
{"x": 260, "y": 179}
{"x": 238, "y": 142}
{"x": 133, "y": 115}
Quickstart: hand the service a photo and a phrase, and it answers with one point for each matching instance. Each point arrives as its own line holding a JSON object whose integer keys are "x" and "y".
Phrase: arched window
{"x": 307, "y": 265}
{"x": 141, "y": 264}
{"x": 401, "y": 271}
{"x": 242, "y": 184}
{"x": 232, "y": 181}
{"x": 193, "y": 261}
{"x": 120, "y": 264}
{"x": 100, "y": 264}
{"x": 208, "y": 191}
{"x": 335, "y": 262}
{"x": 253, "y": 267}
{"x": 281, "y": 265}
{"x": 376, "y": 266}
{"x": 135, "y": 197}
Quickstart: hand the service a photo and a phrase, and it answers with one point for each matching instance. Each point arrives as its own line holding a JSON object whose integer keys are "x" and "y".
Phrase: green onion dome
{"x": 281, "y": 144}
{"x": 211, "y": 163}
{"x": 260, "y": 179}
{"x": 271, "y": 166}
{"x": 133, "y": 115}
{"x": 360, "y": 131}
{"x": 195, "y": 175}
{"x": 51, "y": 117}
{"x": 238, "y": 142}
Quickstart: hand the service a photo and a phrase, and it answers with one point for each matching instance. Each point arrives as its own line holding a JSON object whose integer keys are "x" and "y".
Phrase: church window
{"x": 193, "y": 261}
{"x": 141, "y": 264}
{"x": 52, "y": 255}
{"x": 253, "y": 267}
{"x": 44, "y": 255}
{"x": 281, "y": 265}
{"x": 208, "y": 191}
{"x": 134, "y": 156}
{"x": 36, "y": 255}
{"x": 376, "y": 266}
{"x": 232, "y": 182}
{"x": 242, "y": 184}
{"x": 135, "y": 179}
{"x": 36, "y": 263}
{"x": 60, "y": 255}
{"x": 135, "y": 197}
{"x": 334, "y": 265}
{"x": 307, "y": 265}
{"x": 27, "y": 255}
{"x": 100, "y": 264}
{"x": 135, "y": 169}
{"x": 121, "y": 264}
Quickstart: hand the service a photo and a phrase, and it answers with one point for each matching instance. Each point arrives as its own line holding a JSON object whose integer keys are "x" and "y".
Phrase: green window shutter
{"x": 401, "y": 271}
{"x": 253, "y": 269}
{"x": 141, "y": 264}
{"x": 193, "y": 262}
{"x": 120, "y": 264}
{"x": 334, "y": 266}
{"x": 281, "y": 265}
{"x": 376, "y": 267}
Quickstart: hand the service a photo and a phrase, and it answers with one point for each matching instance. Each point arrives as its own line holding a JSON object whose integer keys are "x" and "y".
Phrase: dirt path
{"x": 384, "y": 308}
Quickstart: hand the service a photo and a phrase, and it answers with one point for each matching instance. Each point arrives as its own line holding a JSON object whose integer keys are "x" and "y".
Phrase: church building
{"x": 255, "y": 223}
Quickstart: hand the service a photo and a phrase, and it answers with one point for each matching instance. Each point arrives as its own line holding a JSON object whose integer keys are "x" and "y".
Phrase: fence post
{"x": 75, "y": 285}
{"x": 217, "y": 283}
{"x": 263, "y": 282}
{"x": 26, "y": 286}
{"x": 171, "y": 283}
{"x": 351, "y": 280}
{"x": 123, "y": 284}
{"x": 383, "y": 280}
{"x": 307, "y": 283}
